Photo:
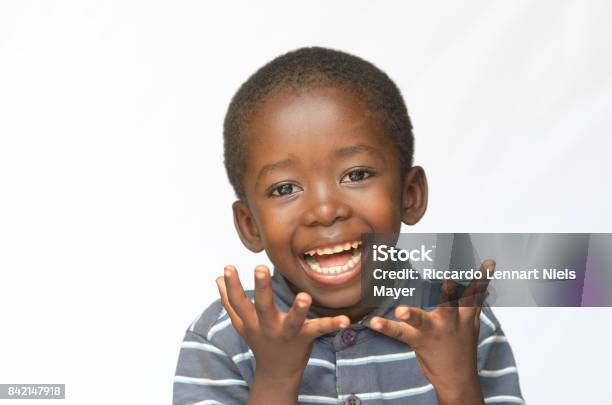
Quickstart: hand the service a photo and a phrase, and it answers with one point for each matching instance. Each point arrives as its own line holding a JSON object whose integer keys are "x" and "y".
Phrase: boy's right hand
{"x": 281, "y": 342}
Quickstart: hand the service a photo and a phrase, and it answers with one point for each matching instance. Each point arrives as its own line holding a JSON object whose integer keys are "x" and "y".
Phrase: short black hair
{"x": 314, "y": 67}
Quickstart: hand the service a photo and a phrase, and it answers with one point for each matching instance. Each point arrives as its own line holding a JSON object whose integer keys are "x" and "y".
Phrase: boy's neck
{"x": 355, "y": 313}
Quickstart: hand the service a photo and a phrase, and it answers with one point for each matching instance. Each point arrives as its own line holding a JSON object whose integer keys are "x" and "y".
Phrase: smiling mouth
{"x": 334, "y": 260}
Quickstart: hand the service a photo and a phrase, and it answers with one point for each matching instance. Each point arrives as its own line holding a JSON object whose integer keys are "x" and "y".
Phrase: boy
{"x": 318, "y": 147}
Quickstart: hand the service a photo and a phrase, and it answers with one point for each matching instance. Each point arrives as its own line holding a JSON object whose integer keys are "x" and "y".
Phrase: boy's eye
{"x": 284, "y": 189}
{"x": 356, "y": 175}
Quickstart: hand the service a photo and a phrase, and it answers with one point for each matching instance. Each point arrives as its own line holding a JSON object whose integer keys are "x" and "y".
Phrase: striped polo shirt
{"x": 353, "y": 366}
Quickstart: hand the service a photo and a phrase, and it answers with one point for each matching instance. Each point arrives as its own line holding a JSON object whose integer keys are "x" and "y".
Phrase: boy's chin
{"x": 337, "y": 302}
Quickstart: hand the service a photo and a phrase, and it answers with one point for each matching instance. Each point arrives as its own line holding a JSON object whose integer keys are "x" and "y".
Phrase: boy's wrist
{"x": 270, "y": 388}
{"x": 467, "y": 393}
{"x": 287, "y": 379}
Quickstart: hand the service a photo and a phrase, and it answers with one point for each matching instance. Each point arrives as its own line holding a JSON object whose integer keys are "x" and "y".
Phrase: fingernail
{"x": 260, "y": 275}
{"x": 375, "y": 325}
{"x": 343, "y": 324}
{"x": 404, "y": 315}
{"x": 227, "y": 273}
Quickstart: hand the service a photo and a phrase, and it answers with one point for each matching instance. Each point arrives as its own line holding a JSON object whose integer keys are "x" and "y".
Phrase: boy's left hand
{"x": 445, "y": 340}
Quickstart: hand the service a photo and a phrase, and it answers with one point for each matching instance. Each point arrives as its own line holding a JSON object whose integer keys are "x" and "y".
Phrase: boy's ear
{"x": 414, "y": 195}
{"x": 246, "y": 227}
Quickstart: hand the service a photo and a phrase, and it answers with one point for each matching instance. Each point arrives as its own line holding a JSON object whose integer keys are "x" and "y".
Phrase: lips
{"x": 333, "y": 264}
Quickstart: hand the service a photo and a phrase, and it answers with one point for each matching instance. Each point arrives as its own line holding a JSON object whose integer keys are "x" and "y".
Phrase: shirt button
{"x": 352, "y": 400}
{"x": 349, "y": 337}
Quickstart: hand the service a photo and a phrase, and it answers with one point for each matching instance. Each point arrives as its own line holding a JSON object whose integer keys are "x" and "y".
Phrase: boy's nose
{"x": 325, "y": 210}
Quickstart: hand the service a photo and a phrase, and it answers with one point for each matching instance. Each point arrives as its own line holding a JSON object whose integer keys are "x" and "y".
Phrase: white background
{"x": 114, "y": 205}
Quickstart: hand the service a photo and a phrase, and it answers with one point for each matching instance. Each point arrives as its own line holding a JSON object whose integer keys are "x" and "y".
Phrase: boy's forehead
{"x": 322, "y": 118}
{"x": 291, "y": 111}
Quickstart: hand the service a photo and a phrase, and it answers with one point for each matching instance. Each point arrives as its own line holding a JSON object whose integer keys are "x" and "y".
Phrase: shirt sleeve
{"x": 497, "y": 369}
{"x": 206, "y": 375}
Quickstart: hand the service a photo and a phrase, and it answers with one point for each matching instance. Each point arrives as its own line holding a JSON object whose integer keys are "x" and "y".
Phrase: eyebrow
{"x": 279, "y": 164}
{"x": 355, "y": 149}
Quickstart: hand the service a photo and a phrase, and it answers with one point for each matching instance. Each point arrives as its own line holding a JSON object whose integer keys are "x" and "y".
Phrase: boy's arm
{"x": 281, "y": 342}
{"x": 270, "y": 390}
{"x": 449, "y": 345}
{"x": 206, "y": 372}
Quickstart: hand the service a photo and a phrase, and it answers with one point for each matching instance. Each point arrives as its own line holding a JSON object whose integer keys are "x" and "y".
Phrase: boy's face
{"x": 320, "y": 171}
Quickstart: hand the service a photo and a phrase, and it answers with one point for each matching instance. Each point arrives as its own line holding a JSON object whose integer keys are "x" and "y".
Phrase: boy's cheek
{"x": 383, "y": 214}
{"x": 281, "y": 257}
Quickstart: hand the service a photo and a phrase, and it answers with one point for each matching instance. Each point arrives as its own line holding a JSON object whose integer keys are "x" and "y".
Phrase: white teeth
{"x": 333, "y": 249}
{"x": 314, "y": 265}
{"x": 335, "y": 269}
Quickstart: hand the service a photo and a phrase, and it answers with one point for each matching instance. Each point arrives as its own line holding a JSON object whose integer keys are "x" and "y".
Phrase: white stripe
{"x": 486, "y": 320}
{"x": 194, "y": 323}
{"x": 208, "y": 381}
{"x": 202, "y": 346}
{"x": 311, "y": 362}
{"x": 217, "y": 328}
{"x": 321, "y": 363}
{"x": 497, "y": 373}
{"x": 242, "y": 356}
{"x": 493, "y": 339}
{"x": 383, "y": 358}
{"x": 209, "y": 402}
{"x": 393, "y": 394}
{"x": 222, "y": 314}
{"x": 504, "y": 398}
{"x": 317, "y": 399}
